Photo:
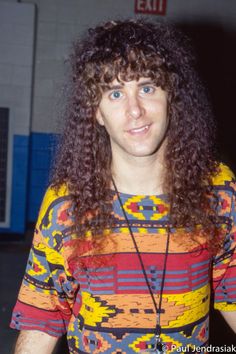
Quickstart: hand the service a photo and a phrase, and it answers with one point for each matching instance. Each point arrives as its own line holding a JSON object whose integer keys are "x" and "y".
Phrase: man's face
{"x": 134, "y": 114}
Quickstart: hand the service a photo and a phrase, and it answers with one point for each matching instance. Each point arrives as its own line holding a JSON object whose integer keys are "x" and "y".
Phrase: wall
{"x": 61, "y": 21}
{"x": 16, "y": 65}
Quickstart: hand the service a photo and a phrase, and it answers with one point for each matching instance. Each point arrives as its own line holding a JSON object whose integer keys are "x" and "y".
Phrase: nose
{"x": 135, "y": 109}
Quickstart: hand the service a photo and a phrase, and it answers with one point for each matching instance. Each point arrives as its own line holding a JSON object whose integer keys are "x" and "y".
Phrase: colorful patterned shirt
{"x": 104, "y": 306}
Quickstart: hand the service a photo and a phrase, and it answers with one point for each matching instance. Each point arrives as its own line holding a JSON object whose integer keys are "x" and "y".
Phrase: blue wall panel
{"x": 32, "y": 159}
{"x": 42, "y": 149}
{"x": 19, "y": 185}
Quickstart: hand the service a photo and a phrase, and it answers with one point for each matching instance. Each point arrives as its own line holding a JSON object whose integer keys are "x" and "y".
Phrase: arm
{"x": 31, "y": 342}
{"x": 224, "y": 263}
{"x": 230, "y": 318}
{"x": 47, "y": 294}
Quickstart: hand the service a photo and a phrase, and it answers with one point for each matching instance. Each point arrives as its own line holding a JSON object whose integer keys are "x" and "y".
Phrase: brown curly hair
{"x": 129, "y": 50}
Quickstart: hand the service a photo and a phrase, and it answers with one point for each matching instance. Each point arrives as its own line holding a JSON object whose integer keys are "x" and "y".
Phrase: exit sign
{"x": 151, "y": 7}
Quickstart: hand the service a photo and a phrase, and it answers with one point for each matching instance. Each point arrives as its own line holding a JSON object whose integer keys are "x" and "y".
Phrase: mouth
{"x": 140, "y": 130}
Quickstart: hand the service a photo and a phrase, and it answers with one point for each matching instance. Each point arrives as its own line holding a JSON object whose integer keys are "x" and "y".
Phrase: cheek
{"x": 113, "y": 119}
{"x": 112, "y": 127}
{"x": 161, "y": 116}
{"x": 99, "y": 116}
{"x": 158, "y": 106}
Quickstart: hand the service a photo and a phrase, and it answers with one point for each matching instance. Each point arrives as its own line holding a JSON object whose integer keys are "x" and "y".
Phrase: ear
{"x": 99, "y": 117}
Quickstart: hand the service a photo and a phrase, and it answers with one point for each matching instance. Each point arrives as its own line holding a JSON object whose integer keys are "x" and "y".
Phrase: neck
{"x": 139, "y": 175}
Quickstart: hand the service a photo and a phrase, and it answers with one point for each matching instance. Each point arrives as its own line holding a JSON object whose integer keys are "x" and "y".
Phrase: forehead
{"x": 119, "y": 83}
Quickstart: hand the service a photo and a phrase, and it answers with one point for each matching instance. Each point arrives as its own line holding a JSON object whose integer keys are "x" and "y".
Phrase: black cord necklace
{"x": 159, "y": 346}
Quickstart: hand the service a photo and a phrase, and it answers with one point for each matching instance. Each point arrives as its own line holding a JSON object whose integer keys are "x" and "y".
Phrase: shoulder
{"x": 55, "y": 216}
{"x": 224, "y": 187}
{"x": 224, "y": 176}
{"x": 52, "y": 198}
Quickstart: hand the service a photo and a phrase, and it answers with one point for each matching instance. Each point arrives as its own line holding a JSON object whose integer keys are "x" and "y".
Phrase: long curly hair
{"x": 128, "y": 50}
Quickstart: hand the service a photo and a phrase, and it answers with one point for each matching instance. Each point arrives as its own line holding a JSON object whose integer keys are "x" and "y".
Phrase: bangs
{"x": 133, "y": 68}
{"x": 128, "y": 66}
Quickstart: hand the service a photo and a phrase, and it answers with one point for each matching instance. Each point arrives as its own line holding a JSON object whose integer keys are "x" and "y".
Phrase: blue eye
{"x": 115, "y": 95}
{"x": 147, "y": 89}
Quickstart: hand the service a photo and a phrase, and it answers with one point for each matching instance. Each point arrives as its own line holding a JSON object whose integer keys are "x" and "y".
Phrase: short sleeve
{"x": 224, "y": 264}
{"x": 48, "y": 288}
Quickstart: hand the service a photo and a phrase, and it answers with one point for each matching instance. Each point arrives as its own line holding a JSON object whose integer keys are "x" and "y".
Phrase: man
{"x": 139, "y": 221}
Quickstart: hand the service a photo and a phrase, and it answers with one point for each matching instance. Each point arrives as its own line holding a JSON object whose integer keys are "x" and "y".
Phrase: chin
{"x": 143, "y": 153}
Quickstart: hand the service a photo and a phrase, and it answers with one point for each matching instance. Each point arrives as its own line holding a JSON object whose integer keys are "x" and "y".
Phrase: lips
{"x": 140, "y": 130}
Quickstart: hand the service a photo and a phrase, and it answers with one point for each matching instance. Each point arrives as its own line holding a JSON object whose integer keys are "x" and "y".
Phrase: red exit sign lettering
{"x": 152, "y": 7}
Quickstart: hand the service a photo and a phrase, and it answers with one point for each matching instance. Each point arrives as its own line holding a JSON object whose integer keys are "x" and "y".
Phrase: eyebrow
{"x": 121, "y": 85}
{"x": 144, "y": 83}
{"x": 113, "y": 87}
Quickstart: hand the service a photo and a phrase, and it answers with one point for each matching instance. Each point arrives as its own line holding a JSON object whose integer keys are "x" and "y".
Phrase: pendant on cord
{"x": 159, "y": 347}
